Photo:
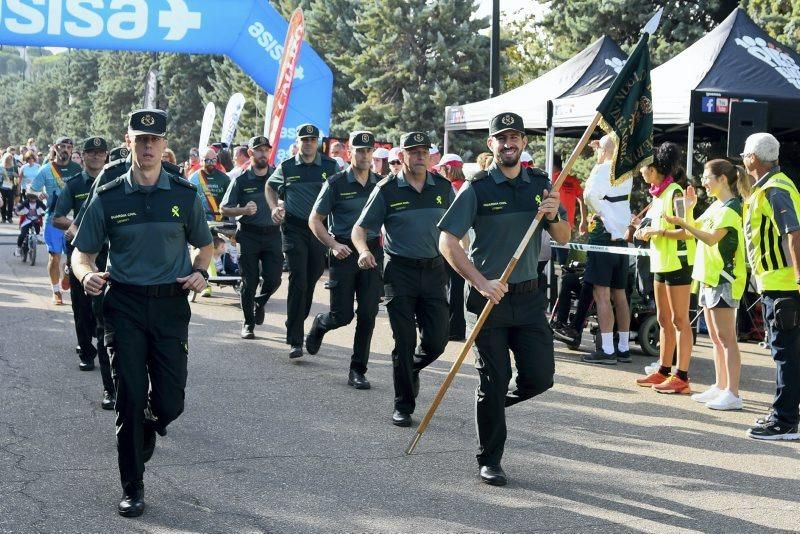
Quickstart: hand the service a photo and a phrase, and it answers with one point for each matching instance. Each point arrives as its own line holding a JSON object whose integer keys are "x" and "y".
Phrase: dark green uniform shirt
{"x": 342, "y": 199}
{"x": 245, "y": 188}
{"x": 408, "y": 216}
{"x": 299, "y": 183}
{"x": 148, "y": 231}
{"x": 500, "y": 210}
{"x": 74, "y": 194}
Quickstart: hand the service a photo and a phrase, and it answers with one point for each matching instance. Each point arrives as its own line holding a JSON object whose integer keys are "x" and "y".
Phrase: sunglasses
{"x": 395, "y": 162}
{"x": 210, "y": 160}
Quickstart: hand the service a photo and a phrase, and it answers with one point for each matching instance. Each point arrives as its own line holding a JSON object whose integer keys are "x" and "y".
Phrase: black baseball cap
{"x": 362, "y": 139}
{"x": 414, "y": 139}
{"x": 121, "y": 152}
{"x": 148, "y": 122}
{"x": 95, "y": 143}
{"x": 258, "y": 141}
{"x": 506, "y": 121}
{"x": 307, "y": 130}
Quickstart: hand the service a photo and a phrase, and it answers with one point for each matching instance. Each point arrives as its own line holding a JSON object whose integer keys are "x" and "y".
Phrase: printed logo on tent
{"x": 709, "y": 104}
{"x": 722, "y": 105}
{"x": 772, "y": 56}
{"x": 616, "y": 63}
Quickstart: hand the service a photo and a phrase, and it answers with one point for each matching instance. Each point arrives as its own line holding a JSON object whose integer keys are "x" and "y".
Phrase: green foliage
{"x": 408, "y": 69}
{"x": 525, "y": 54}
{"x": 780, "y": 18}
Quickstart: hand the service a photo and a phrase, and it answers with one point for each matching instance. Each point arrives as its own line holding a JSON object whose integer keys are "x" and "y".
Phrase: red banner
{"x": 283, "y": 85}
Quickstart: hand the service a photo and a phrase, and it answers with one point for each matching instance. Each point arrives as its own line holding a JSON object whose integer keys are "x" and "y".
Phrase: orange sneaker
{"x": 651, "y": 380}
{"x": 673, "y": 385}
{"x": 57, "y": 300}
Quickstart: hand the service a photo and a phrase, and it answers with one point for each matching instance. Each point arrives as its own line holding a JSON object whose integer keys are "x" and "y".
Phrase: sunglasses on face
{"x": 210, "y": 160}
{"x": 395, "y": 162}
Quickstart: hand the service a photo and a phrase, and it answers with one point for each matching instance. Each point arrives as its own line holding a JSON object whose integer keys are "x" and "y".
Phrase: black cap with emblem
{"x": 258, "y": 141}
{"x": 414, "y": 139}
{"x": 362, "y": 139}
{"x": 148, "y": 122}
{"x": 121, "y": 152}
{"x": 307, "y": 130}
{"x": 506, "y": 121}
{"x": 95, "y": 143}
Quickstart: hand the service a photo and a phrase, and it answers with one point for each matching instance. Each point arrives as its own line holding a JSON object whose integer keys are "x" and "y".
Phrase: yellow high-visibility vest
{"x": 709, "y": 265}
{"x": 664, "y": 253}
{"x": 771, "y": 264}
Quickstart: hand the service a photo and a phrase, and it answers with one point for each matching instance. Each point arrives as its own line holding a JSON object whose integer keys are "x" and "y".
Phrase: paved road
{"x": 268, "y": 444}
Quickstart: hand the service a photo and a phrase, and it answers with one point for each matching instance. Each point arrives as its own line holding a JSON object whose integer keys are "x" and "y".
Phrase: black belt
{"x": 427, "y": 263}
{"x": 372, "y": 244}
{"x": 528, "y": 286}
{"x": 296, "y": 221}
{"x": 156, "y": 291}
{"x": 253, "y": 229}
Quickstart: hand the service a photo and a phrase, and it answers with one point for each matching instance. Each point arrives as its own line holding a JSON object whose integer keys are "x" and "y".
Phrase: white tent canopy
{"x": 593, "y": 68}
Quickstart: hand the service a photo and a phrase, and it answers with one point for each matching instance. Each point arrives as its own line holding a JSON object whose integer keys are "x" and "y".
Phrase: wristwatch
{"x": 202, "y": 272}
{"x": 553, "y": 220}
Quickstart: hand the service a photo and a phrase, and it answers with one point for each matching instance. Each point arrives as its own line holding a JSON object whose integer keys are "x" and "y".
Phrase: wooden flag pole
{"x": 503, "y": 278}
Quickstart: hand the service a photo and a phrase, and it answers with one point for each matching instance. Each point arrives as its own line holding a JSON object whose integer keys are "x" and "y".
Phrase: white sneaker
{"x": 726, "y": 401}
{"x": 652, "y": 368}
{"x": 708, "y": 395}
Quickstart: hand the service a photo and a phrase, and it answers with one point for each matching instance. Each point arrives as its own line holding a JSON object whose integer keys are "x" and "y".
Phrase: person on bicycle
{"x": 31, "y": 211}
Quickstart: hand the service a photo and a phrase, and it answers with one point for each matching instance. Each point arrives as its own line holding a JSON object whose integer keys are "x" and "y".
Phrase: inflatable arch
{"x": 250, "y": 32}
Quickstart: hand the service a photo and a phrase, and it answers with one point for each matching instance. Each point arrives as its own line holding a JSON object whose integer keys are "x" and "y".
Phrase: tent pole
{"x": 690, "y": 151}
{"x": 446, "y": 147}
{"x": 549, "y": 144}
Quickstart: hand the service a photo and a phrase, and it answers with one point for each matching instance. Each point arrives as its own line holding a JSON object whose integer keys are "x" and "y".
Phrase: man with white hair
{"x": 608, "y": 273}
{"x": 772, "y": 233}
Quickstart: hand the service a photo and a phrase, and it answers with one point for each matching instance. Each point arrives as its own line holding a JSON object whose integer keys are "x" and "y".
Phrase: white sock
{"x": 608, "y": 342}
{"x": 56, "y": 288}
{"x": 622, "y": 344}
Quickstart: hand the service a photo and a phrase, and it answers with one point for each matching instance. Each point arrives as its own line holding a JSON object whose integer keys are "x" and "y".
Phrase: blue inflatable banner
{"x": 250, "y": 32}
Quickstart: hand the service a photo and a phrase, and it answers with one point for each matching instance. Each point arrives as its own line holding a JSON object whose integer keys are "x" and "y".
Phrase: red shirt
{"x": 570, "y": 191}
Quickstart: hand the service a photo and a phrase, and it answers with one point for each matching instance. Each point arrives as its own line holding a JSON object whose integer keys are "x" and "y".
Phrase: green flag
{"x": 627, "y": 111}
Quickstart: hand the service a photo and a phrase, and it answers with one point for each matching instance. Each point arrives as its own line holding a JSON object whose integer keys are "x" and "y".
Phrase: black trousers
{"x": 415, "y": 297}
{"x": 455, "y": 299}
{"x": 517, "y": 324}
{"x": 260, "y": 260}
{"x": 83, "y": 316}
{"x": 97, "y": 312}
{"x": 349, "y": 282}
{"x": 25, "y": 230}
{"x": 147, "y": 338}
{"x": 306, "y": 257}
{"x": 7, "y": 211}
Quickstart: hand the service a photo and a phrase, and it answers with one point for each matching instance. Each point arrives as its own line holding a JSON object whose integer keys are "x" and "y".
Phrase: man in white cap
{"x": 395, "y": 160}
{"x": 436, "y": 156}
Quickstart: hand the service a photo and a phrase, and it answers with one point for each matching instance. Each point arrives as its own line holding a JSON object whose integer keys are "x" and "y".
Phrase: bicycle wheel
{"x": 32, "y": 252}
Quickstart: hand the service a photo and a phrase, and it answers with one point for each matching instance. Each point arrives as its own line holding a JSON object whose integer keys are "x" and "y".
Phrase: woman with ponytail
{"x": 672, "y": 252}
{"x": 719, "y": 267}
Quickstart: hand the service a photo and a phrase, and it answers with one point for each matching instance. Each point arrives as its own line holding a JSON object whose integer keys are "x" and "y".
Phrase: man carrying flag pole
{"x": 627, "y": 112}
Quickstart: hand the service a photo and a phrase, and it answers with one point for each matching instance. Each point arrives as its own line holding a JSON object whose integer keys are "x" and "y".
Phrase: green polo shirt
{"x": 342, "y": 199}
{"x": 148, "y": 228}
{"x": 298, "y": 183}
{"x": 245, "y": 188}
{"x": 408, "y": 216}
{"x": 500, "y": 211}
{"x": 74, "y": 194}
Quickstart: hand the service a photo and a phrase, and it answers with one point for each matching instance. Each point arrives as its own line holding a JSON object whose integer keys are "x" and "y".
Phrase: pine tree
{"x": 120, "y": 90}
{"x": 409, "y": 68}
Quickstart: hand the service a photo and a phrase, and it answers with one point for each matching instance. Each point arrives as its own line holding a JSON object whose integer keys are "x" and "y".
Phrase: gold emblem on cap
{"x": 123, "y": 152}
{"x": 418, "y": 138}
{"x": 148, "y": 120}
{"x": 507, "y": 120}
{"x": 309, "y": 129}
{"x": 365, "y": 137}
{"x": 97, "y": 141}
